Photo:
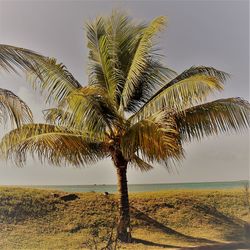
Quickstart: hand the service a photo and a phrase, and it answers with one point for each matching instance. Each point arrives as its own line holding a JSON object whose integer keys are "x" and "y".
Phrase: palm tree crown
{"x": 131, "y": 97}
{"x": 133, "y": 108}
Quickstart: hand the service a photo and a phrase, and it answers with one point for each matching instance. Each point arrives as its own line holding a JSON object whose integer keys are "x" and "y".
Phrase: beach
{"x": 171, "y": 219}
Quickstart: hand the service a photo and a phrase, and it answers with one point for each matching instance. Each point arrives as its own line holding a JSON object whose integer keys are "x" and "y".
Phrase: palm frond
{"x": 140, "y": 58}
{"x": 187, "y": 89}
{"x": 155, "y": 139}
{"x": 94, "y": 31}
{"x": 56, "y": 144}
{"x": 100, "y": 56}
{"x": 212, "y": 118}
{"x": 91, "y": 109}
{"x": 110, "y": 64}
{"x": 126, "y": 35}
{"x": 139, "y": 164}
{"x": 14, "y": 109}
{"x": 200, "y": 70}
{"x": 53, "y": 79}
{"x": 150, "y": 81}
{"x": 110, "y": 42}
{"x": 13, "y": 58}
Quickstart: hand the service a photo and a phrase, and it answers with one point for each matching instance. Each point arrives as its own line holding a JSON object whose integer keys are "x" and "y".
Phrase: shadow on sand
{"x": 209, "y": 244}
{"x": 152, "y": 222}
{"x": 235, "y": 226}
{"x": 153, "y": 244}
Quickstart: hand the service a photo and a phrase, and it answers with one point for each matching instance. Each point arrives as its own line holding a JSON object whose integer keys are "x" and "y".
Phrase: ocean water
{"x": 147, "y": 187}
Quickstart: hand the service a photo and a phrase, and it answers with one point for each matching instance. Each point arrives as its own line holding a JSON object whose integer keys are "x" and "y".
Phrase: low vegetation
{"x": 40, "y": 219}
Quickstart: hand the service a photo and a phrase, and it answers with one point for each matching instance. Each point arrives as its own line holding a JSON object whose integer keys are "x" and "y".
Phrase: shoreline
{"x": 139, "y": 188}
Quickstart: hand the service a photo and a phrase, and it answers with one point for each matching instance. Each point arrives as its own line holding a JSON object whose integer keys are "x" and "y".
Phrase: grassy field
{"x": 40, "y": 219}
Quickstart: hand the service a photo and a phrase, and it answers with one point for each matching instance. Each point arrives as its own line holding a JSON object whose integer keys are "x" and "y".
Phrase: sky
{"x": 210, "y": 33}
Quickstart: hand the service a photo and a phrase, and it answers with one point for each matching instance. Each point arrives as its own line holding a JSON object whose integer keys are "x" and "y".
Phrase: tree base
{"x": 124, "y": 230}
{"x": 124, "y": 237}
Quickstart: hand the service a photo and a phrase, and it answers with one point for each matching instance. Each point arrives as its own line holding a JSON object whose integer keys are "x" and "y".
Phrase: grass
{"x": 36, "y": 219}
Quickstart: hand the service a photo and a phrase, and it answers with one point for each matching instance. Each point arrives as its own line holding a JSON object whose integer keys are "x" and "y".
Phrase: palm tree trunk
{"x": 123, "y": 228}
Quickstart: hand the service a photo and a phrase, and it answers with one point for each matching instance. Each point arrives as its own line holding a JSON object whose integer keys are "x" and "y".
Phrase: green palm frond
{"x": 200, "y": 70}
{"x": 187, "y": 89}
{"x": 110, "y": 65}
{"x": 140, "y": 59}
{"x": 12, "y": 58}
{"x": 56, "y": 144}
{"x": 14, "y": 109}
{"x": 94, "y": 31}
{"x": 116, "y": 47}
{"x": 91, "y": 109}
{"x": 111, "y": 41}
{"x": 53, "y": 79}
{"x": 212, "y": 118}
{"x": 155, "y": 139}
{"x": 96, "y": 75}
{"x": 125, "y": 34}
{"x": 151, "y": 80}
{"x": 102, "y": 67}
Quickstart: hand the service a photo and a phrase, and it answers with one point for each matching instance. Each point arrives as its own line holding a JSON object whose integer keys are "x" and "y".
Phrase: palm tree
{"x": 133, "y": 109}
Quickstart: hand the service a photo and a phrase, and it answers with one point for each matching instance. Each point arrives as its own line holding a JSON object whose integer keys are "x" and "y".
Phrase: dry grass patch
{"x": 39, "y": 219}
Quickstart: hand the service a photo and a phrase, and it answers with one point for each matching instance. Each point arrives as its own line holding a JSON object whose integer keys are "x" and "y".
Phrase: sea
{"x": 135, "y": 188}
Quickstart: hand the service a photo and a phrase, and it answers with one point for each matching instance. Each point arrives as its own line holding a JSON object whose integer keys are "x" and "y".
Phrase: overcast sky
{"x": 211, "y": 33}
